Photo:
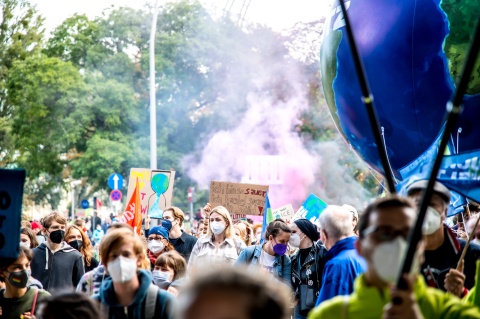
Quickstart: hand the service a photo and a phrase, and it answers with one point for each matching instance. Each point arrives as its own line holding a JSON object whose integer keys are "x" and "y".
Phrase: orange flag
{"x": 133, "y": 212}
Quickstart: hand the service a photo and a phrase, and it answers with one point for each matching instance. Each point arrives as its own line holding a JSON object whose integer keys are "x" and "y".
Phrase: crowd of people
{"x": 344, "y": 266}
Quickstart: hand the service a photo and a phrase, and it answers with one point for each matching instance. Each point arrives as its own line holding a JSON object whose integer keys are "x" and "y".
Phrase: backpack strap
{"x": 151, "y": 301}
{"x": 34, "y": 303}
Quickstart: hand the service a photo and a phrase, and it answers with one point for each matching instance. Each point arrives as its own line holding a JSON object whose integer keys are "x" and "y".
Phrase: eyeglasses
{"x": 155, "y": 238}
{"x": 385, "y": 233}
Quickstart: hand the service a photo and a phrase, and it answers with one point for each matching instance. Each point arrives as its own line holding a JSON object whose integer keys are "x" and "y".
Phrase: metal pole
{"x": 191, "y": 210}
{"x": 73, "y": 202}
{"x": 153, "y": 108}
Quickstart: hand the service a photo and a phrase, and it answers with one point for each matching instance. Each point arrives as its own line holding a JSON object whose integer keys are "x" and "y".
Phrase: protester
{"x": 158, "y": 241}
{"x": 69, "y": 305}
{"x": 384, "y": 227}
{"x": 270, "y": 256}
{"x": 245, "y": 232}
{"x": 181, "y": 241}
{"x": 234, "y": 294}
{"x": 55, "y": 263}
{"x": 470, "y": 228}
{"x": 106, "y": 224}
{"x": 37, "y": 229}
{"x": 95, "y": 222}
{"x": 354, "y": 213}
{"x": 307, "y": 265}
{"x": 97, "y": 235}
{"x": 219, "y": 245}
{"x": 91, "y": 281}
{"x": 257, "y": 232}
{"x": 18, "y": 300}
{"x": 129, "y": 291}
{"x": 201, "y": 228}
{"x": 28, "y": 238}
{"x": 442, "y": 247}
{"x": 76, "y": 238}
{"x": 169, "y": 272}
{"x": 342, "y": 262}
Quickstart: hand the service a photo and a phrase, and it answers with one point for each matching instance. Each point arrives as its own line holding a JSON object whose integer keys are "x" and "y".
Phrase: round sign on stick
{"x": 85, "y": 204}
{"x": 115, "y": 195}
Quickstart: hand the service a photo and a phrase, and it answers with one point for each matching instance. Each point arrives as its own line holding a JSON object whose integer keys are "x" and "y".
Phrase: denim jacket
{"x": 282, "y": 265}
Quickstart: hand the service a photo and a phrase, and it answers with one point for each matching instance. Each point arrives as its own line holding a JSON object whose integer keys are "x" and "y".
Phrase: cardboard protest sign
{"x": 156, "y": 190}
{"x": 285, "y": 212}
{"x": 11, "y": 193}
{"x": 241, "y": 199}
{"x": 311, "y": 208}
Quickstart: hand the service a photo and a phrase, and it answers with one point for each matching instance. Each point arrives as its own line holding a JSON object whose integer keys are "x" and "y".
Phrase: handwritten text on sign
{"x": 243, "y": 199}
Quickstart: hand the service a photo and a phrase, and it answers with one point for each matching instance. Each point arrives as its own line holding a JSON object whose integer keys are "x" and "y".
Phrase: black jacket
{"x": 309, "y": 272}
{"x": 438, "y": 262}
{"x": 184, "y": 245}
{"x": 62, "y": 269}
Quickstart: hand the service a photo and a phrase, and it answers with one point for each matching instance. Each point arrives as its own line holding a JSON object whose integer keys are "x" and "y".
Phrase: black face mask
{"x": 19, "y": 279}
{"x": 56, "y": 236}
{"x": 77, "y": 244}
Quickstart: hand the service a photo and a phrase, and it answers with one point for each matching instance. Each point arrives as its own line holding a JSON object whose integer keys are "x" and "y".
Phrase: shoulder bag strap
{"x": 34, "y": 303}
{"x": 151, "y": 301}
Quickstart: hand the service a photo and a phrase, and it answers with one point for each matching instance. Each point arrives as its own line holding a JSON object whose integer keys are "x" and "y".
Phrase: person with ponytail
{"x": 307, "y": 265}
{"x": 270, "y": 256}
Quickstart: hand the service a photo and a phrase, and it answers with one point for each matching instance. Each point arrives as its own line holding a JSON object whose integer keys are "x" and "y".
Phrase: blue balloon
{"x": 413, "y": 53}
{"x": 160, "y": 183}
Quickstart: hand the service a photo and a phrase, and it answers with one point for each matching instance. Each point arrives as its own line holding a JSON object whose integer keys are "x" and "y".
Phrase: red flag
{"x": 99, "y": 203}
{"x": 133, "y": 212}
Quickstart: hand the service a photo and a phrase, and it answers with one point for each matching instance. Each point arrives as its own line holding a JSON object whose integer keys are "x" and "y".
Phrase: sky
{"x": 277, "y": 14}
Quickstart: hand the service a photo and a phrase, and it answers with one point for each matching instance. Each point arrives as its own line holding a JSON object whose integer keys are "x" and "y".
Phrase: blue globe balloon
{"x": 413, "y": 52}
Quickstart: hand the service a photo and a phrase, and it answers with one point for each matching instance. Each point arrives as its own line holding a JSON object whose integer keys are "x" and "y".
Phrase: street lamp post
{"x": 153, "y": 108}
{"x": 74, "y": 184}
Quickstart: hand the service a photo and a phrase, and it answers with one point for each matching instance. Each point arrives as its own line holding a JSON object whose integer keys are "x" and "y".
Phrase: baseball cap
{"x": 439, "y": 188}
{"x": 36, "y": 225}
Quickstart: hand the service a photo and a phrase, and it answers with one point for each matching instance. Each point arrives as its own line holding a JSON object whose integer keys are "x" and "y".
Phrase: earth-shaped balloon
{"x": 413, "y": 53}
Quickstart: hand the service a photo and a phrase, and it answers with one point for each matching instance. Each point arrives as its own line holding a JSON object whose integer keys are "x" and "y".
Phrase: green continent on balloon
{"x": 462, "y": 18}
{"x": 328, "y": 67}
{"x": 160, "y": 183}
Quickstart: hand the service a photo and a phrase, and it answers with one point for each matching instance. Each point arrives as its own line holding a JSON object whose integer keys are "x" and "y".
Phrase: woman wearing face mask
{"x": 158, "y": 241}
{"x": 307, "y": 265}
{"x": 76, "y": 238}
{"x": 219, "y": 246}
{"x": 98, "y": 234}
{"x": 18, "y": 299}
{"x": 28, "y": 238}
{"x": 169, "y": 272}
{"x": 270, "y": 256}
{"x": 129, "y": 291}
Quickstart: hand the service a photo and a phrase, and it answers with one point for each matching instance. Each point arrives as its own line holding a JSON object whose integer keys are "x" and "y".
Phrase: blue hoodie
{"x": 136, "y": 310}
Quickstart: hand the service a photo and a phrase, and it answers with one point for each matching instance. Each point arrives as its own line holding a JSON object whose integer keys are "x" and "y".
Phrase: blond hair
{"x": 177, "y": 213}
{"x": 118, "y": 237}
{"x": 222, "y": 211}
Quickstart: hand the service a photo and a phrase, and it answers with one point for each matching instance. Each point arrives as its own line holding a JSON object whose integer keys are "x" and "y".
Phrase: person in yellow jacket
{"x": 473, "y": 297}
{"x": 383, "y": 228}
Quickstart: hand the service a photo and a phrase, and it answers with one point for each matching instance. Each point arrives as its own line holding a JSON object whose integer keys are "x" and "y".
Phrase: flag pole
{"x": 367, "y": 99}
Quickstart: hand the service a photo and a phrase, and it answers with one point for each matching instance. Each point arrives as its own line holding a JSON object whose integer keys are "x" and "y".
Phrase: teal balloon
{"x": 160, "y": 183}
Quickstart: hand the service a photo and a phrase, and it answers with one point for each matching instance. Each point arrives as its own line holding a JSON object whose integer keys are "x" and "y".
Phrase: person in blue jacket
{"x": 129, "y": 292}
{"x": 270, "y": 256}
{"x": 342, "y": 262}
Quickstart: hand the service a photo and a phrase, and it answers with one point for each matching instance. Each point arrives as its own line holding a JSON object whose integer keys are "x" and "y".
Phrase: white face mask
{"x": 432, "y": 221}
{"x": 295, "y": 240}
{"x": 122, "y": 269}
{"x": 25, "y": 244}
{"x": 155, "y": 246}
{"x": 388, "y": 258}
{"x": 217, "y": 227}
{"x": 161, "y": 277}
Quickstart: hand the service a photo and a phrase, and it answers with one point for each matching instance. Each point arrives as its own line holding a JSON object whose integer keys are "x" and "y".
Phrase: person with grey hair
{"x": 342, "y": 262}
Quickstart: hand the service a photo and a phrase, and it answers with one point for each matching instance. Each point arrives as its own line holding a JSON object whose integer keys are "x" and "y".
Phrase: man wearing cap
{"x": 342, "y": 262}
{"x": 442, "y": 248}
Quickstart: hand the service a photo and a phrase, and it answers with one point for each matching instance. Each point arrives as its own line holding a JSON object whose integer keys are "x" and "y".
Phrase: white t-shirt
{"x": 266, "y": 261}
